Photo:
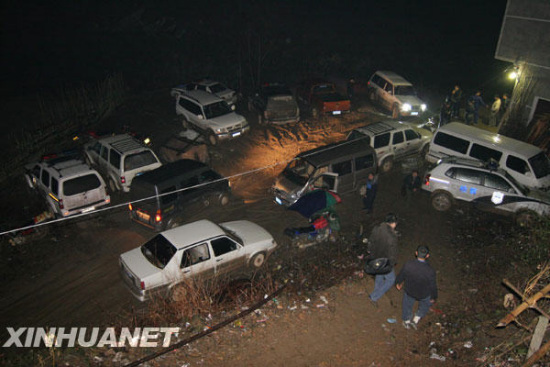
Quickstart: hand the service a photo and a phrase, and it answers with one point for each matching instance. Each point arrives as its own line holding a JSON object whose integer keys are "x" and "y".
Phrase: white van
{"x": 526, "y": 163}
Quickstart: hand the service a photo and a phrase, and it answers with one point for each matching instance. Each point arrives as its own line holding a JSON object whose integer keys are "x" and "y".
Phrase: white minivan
{"x": 526, "y": 163}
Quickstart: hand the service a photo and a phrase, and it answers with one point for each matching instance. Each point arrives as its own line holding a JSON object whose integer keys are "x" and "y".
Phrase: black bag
{"x": 381, "y": 266}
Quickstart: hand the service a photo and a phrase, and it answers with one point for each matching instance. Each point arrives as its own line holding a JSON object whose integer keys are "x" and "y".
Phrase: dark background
{"x": 434, "y": 44}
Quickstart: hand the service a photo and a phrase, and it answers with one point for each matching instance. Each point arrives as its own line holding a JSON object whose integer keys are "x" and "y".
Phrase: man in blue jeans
{"x": 383, "y": 244}
{"x": 418, "y": 279}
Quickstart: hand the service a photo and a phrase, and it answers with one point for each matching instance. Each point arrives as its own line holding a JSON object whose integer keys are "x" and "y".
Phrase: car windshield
{"x": 232, "y": 234}
{"x": 217, "y": 88}
{"x": 138, "y": 160}
{"x": 404, "y": 90}
{"x": 217, "y": 109}
{"x": 158, "y": 250}
{"x": 299, "y": 171}
{"x": 81, "y": 184}
{"x": 323, "y": 88}
{"x": 521, "y": 187}
{"x": 540, "y": 164}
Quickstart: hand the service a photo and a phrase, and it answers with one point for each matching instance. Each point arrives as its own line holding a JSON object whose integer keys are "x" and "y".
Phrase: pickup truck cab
{"x": 320, "y": 97}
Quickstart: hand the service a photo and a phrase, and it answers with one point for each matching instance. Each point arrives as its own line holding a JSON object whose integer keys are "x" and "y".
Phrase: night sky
{"x": 158, "y": 44}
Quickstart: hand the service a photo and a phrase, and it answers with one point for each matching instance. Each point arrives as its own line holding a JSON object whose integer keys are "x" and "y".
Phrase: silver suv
{"x": 120, "y": 158}
{"x": 394, "y": 93}
{"x": 68, "y": 185}
{"x": 393, "y": 140}
{"x": 214, "y": 87}
{"x": 485, "y": 185}
{"x": 209, "y": 114}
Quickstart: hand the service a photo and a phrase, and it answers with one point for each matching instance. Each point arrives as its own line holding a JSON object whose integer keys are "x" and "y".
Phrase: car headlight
{"x": 406, "y": 107}
{"x": 423, "y": 107}
{"x": 219, "y": 131}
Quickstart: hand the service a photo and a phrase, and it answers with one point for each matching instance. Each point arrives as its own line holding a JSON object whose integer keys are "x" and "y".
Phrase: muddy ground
{"x": 69, "y": 277}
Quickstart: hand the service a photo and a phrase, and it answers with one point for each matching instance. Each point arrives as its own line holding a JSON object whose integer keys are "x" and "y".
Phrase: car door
{"x": 413, "y": 141}
{"x": 228, "y": 255}
{"x": 197, "y": 262}
{"x": 467, "y": 184}
{"x": 346, "y": 178}
{"x": 326, "y": 181}
{"x": 398, "y": 144}
{"x": 103, "y": 160}
{"x": 499, "y": 193}
{"x": 387, "y": 95}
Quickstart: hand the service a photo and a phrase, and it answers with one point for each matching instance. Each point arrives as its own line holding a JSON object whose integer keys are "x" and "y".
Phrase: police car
{"x": 485, "y": 185}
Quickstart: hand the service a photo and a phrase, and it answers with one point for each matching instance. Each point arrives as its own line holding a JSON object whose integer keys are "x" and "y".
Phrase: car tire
{"x": 395, "y": 111}
{"x": 258, "y": 260}
{"x": 212, "y": 138}
{"x": 441, "y": 201}
{"x": 526, "y": 218}
{"x": 206, "y": 201}
{"x": 224, "y": 199}
{"x": 386, "y": 165}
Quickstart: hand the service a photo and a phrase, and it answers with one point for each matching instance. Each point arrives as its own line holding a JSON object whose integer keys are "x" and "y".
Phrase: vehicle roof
{"x": 123, "y": 143}
{"x": 382, "y": 127}
{"x": 69, "y": 168}
{"x": 469, "y": 163}
{"x": 207, "y": 82}
{"x": 395, "y": 78}
{"x": 191, "y": 233}
{"x": 169, "y": 171}
{"x": 495, "y": 140}
{"x": 202, "y": 97}
{"x": 322, "y": 155}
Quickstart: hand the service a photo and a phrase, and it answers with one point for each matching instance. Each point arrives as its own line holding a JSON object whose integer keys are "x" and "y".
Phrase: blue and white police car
{"x": 485, "y": 185}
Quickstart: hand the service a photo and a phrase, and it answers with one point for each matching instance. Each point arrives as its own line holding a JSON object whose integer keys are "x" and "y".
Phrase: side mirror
{"x": 200, "y": 117}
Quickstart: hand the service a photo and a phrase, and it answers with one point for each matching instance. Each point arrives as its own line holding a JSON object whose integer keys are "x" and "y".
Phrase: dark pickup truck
{"x": 320, "y": 97}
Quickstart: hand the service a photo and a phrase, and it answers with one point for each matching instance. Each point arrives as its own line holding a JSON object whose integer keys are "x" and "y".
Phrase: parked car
{"x": 68, "y": 185}
{"x": 275, "y": 104}
{"x": 340, "y": 167}
{"x": 171, "y": 188}
{"x": 393, "y": 140}
{"x": 486, "y": 186}
{"x": 120, "y": 158}
{"x": 199, "y": 249}
{"x": 213, "y": 87}
{"x": 394, "y": 93}
{"x": 527, "y": 163}
{"x": 320, "y": 97}
{"x": 209, "y": 115}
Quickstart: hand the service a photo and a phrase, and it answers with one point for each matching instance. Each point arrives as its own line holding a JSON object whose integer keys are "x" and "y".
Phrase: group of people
{"x": 451, "y": 107}
{"x": 417, "y": 278}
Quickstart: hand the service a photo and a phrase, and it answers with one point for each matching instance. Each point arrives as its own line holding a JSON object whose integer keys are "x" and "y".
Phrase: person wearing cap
{"x": 383, "y": 244}
{"x": 418, "y": 279}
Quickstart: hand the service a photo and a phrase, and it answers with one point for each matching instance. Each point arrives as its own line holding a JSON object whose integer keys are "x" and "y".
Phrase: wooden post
{"x": 538, "y": 336}
{"x": 531, "y": 302}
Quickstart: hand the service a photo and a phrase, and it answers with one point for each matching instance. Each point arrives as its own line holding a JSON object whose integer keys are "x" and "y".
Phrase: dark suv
{"x": 161, "y": 196}
{"x": 274, "y": 103}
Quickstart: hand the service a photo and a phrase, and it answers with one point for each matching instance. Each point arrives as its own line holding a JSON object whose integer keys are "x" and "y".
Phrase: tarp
{"x": 315, "y": 201}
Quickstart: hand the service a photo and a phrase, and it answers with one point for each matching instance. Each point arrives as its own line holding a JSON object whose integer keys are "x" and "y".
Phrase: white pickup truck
{"x": 209, "y": 114}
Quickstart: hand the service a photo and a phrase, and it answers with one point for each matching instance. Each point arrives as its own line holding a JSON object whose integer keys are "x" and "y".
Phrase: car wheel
{"x": 224, "y": 199}
{"x": 258, "y": 260}
{"x": 212, "y": 138}
{"x": 526, "y": 218}
{"x": 395, "y": 112}
{"x": 112, "y": 185}
{"x": 387, "y": 165}
{"x": 314, "y": 113}
{"x": 206, "y": 201}
{"x": 442, "y": 201}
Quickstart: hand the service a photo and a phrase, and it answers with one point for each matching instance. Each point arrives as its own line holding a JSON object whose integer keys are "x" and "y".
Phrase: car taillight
{"x": 142, "y": 285}
{"x": 60, "y": 203}
{"x": 130, "y": 207}
{"x": 123, "y": 179}
{"x": 427, "y": 180}
{"x": 158, "y": 217}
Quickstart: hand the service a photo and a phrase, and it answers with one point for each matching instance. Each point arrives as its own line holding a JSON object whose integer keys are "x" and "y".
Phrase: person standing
{"x": 418, "y": 279}
{"x": 411, "y": 184}
{"x": 370, "y": 192}
{"x": 478, "y": 102}
{"x": 383, "y": 244}
{"x": 456, "y": 97}
{"x": 505, "y": 102}
{"x": 469, "y": 113}
{"x": 495, "y": 111}
{"x": 446, "y": 112}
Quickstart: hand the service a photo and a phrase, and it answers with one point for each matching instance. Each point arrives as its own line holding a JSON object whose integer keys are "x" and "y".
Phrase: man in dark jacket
{"x": 418, "y": 278}
{"x": 411, "y": 184}
{"x": 456, "y": 96}
{"x": 383, "y": 244}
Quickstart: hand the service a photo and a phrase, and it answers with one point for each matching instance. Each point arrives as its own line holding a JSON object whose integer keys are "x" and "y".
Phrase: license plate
{"x": 88, "y": 209}
{"x": 414, "y": 113}
{"x": 236, "y": 134}
{"x": 336, "y": 112}
{"x": 143, "y": 216}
